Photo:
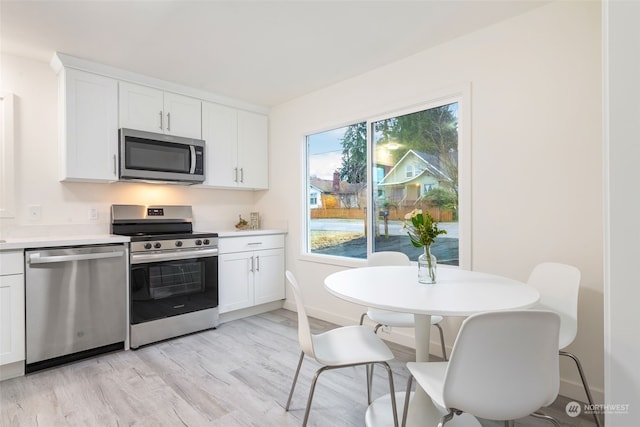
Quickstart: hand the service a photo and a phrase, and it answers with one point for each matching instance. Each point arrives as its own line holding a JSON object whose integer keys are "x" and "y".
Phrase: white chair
{"x": 559, "y": 285}
{"x": 338, "y": 348}
{"x": 392, "y": 318}
{"x": 503, "y": 366}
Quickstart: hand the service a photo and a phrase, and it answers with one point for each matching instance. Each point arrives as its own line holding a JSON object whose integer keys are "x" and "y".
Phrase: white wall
{"x": 34, "y": 85}
{"x": 536, "y": 155}
{"x": 622, "y": 175}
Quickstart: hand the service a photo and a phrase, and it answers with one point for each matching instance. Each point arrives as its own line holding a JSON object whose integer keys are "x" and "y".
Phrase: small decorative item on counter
{"x": 423, "y": 230}
{"x": 242, "y": 223}
{"x": 254, "y": 220}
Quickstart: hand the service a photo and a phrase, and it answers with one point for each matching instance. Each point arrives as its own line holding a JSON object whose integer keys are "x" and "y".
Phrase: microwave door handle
{"x": 193, "y": 159}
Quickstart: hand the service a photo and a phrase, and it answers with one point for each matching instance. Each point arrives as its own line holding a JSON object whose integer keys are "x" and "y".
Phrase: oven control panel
{"x": 174, "y": 244}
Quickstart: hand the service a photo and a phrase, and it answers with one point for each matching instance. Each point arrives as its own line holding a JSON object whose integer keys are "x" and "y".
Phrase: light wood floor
{"x": 236, "y": 375}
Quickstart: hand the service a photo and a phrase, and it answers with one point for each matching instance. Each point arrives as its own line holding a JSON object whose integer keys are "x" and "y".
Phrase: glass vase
{"x": 427, "y": 267}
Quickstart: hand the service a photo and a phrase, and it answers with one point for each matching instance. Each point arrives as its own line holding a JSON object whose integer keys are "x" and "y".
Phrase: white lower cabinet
{"x": 12, "y": 330}
{"x": 251, "y": 271}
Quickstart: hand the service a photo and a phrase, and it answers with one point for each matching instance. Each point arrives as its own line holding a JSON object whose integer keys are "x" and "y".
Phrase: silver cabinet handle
{"x": 168, "y": 121}
{"x": 254, "y": 243}
{"x": 161, "y": 119}
{"x": 258, "y": 263}
{"x": 251, "y": 269}
{"x": 36, "y": 258}
{"x": 241, "y": 174}
{"x": 235, "y": 174}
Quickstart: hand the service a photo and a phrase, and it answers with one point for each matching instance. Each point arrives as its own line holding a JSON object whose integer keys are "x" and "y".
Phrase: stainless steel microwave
{"x": 148, "y": 156}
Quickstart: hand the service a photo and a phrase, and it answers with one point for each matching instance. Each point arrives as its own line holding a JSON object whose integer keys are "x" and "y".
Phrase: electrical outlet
{"x": 34, "y": 213}
{"x": 93, "y": 214}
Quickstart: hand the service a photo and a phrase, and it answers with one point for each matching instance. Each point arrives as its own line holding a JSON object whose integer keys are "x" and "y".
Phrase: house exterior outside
{"x": 315, "y": 197}
{"x": 344, "y": 194}
{"x": 414, "y": 175}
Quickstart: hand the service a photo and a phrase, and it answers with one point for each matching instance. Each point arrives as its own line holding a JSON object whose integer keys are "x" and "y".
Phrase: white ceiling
{"x": 264, "y": 52}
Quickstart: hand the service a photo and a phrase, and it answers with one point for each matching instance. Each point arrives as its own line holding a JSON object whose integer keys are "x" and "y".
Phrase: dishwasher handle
{"x": 36, "y": 258}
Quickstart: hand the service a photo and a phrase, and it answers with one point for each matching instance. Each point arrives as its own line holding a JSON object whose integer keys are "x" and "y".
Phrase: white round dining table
{"x": 457, "y": 292}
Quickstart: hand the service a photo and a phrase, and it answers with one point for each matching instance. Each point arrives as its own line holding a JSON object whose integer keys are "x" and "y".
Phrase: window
{"x": 337, "y": 169}
{"x": 7, "y": 190}
{"x": 425, "y": 147}
{"x": 371, "y": 174}
{"x": 408, "y": 171}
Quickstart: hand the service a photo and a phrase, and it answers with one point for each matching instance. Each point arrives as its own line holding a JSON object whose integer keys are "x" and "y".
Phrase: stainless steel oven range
{"x": 173, "y": 280}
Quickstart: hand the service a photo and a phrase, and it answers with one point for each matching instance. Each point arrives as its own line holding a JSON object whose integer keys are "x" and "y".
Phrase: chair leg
{"x": 444, "y": 349}
{"x": 447, "y": 417}
{"x": 295, "y": 379}
{"x": 546, "y": 417}
{"x": 392, "y": 392}
{"x": 362, "y": 318}
{"x": 311, "y": 391}
{"x": 369, "y": 368}
{"x": 407, "y": 397}
{"x": 584, "y": 383}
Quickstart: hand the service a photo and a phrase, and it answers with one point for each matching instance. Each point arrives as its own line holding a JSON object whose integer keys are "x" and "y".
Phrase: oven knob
{"x": 147, "y": 245}
{"x": 206, "y": 241}
{"x": 198, "y": 242}
{"x": 157, "y": 245}
{"x": 178, "y": 243}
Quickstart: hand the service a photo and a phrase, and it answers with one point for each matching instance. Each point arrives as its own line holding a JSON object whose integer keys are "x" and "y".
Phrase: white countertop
{"x": 19, "y": 243}
{"x": 57, "y": 241}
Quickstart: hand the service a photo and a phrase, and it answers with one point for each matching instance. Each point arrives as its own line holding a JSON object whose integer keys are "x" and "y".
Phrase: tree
{"x": 433, "y": 131}
{"x": 354, "y": 154}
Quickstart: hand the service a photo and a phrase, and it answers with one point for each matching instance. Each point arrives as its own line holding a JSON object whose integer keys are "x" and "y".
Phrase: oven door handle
{"x": 172, "y": 256}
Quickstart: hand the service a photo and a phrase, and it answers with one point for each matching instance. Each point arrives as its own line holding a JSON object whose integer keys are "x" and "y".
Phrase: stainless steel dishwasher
{"x": 76, "y": 303}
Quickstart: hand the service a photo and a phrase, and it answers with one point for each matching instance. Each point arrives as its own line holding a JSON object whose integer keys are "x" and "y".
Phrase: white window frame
{"x": 7, "y": 159}
{"x": 409, "y": 171}
{"x": 460, "y": 94}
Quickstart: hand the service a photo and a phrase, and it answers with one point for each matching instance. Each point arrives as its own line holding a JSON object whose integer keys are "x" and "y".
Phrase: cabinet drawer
{"x": 250, "y": 243}
{"x": 11, "y": 262}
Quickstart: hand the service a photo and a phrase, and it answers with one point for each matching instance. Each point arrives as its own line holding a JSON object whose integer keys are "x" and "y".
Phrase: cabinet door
{"x": 141, "y": 108}
{"x": 269, "y": 276}
{"x": 89, "y": 144}
{"x": 220, "y": 133}
{"x": 235, "y": 287}
{"x": 183, "y": 116}
{"x": 253, "y": 156}
{"x": 12, "y": 330}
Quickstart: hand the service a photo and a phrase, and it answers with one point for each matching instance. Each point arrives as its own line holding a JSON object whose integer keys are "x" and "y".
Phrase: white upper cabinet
{"x": 253, "y": 150}
{"x": 237, "y": 144}
{"x": 184, "y": 115}
{"x": 152, "y": 110}
{"x": 88, "y": 114}
{"x": 220, "y": 134}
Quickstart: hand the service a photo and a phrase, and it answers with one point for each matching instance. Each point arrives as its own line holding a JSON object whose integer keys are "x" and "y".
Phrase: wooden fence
{"x": 394, "y": 214}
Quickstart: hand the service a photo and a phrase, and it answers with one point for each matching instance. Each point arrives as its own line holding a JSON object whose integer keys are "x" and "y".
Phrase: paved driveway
{"x": 357, "y": 226}
{"x": 445, "y": 248}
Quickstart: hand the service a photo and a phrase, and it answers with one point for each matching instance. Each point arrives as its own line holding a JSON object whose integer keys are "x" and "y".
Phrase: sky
{"x": 325, "y": 152}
